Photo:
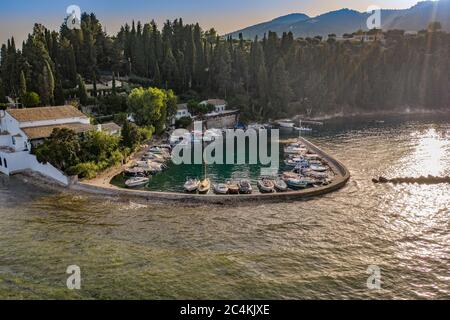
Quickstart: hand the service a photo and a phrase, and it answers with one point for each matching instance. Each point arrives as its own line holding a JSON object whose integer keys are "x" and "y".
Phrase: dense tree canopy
{"x": 266, "y": 78}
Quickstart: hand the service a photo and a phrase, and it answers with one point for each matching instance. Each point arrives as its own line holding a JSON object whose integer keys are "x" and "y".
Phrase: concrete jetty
{"x": 342, "y": 175}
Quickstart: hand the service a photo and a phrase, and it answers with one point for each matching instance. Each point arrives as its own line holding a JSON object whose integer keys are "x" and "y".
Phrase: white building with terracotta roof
{"x": 20, "y": 129}
{"x": 219, "y": 105}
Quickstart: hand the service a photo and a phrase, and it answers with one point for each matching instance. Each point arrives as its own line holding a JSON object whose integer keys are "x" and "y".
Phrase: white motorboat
{"x": 318, "y": 168}
{"x": 191, "y": 185}
{"x": 286, "y": 123}
{"x": 137, "y": 182}
{"x": 157, "y": 150}
{"x": 221, "y": 188}
{"x": 303, "y": 129}
{"x": 134, "y": 172}
{"x": 294, "y": 150}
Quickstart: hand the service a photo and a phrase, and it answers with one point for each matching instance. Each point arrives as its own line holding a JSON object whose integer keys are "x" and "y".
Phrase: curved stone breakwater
{"x": 410, "y": 180}
{"x": 342, "y": 175}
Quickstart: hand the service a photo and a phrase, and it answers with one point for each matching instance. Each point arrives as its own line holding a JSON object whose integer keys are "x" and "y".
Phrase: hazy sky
{"x": 18, "y": 16}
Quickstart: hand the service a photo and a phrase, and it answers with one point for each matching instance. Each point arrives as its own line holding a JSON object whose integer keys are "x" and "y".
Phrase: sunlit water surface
{"x": 319, "y": 248}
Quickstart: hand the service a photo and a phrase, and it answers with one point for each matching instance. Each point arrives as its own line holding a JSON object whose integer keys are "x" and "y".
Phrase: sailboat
{"x": 204, "y": 185}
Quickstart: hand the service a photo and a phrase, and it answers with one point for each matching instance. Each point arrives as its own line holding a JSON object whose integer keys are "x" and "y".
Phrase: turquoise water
{"x": 320, "y": 248}
{"x": 174, "y": 177}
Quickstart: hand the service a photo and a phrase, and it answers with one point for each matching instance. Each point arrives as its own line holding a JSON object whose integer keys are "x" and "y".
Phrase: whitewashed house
{"x": 20, "y": 129}
{"x": 182, "y": 111}
{"x": 220, "y": 105}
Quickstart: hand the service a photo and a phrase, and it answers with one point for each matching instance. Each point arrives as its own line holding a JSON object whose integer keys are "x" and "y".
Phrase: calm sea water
{"x": 320, "y": 248}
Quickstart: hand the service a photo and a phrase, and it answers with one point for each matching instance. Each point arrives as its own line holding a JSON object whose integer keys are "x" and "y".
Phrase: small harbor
{"x": 305, "y": 171}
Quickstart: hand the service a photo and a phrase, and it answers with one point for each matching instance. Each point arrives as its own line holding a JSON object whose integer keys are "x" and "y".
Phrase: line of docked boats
{"x": 306, "y": 170}
{"x": 152, "y": 162}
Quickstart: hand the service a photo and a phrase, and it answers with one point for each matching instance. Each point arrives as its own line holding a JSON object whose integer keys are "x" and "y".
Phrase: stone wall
{"x": 223, "y": 121}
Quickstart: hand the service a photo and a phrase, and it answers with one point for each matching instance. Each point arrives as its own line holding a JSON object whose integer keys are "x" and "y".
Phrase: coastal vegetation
{"x": 272, "y": 77}
{"x": 88, "y": 154}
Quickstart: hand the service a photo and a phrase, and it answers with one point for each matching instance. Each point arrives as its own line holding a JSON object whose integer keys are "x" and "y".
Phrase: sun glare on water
{"x": 431, "y": 155}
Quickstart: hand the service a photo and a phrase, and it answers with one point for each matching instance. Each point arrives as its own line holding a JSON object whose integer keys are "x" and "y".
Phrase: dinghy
{"x": 233, "y": 187}
{"x": 245, "y": 187}
{"x": 280, "y": 185}
{"x": 220, "y": 188}
{"x": 136, "y": 182}
{"x": 266, "y": 185}
{"x": 191, "y": 185}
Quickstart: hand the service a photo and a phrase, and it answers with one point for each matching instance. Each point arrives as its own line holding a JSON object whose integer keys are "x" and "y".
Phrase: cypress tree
{"x": 82, "y": 93}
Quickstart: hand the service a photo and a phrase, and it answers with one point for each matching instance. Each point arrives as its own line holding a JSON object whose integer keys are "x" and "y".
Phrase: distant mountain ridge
{"x": 346, "y": 21}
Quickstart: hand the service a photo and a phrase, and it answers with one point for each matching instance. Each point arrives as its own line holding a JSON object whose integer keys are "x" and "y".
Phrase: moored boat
{"x": 156, "y": 150}
{"x": 280, "y": 185}
{"x": 245, "y": 187}
{"x": 220, "y": 188}
{"x": 136, "y": 182}
{"x": 266, "y": 185}
{"x": 318, "y": 168}
{"x": 286, "y": 123}
{"x": 296, "y": 183}
{"x": 233, "y": 187}
{"x": 303, "y": 129}
{"x": 312, "y": 156}
{"x": 136, "y": 171}
{"x": 204, "y": 186}
{"x": 191, "y": 185}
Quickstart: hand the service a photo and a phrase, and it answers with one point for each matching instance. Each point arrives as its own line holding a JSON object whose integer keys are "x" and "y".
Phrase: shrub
{"x": 183, "y": 123}
{"x": 86, "y": 170}
{"x": 31, "y": 99}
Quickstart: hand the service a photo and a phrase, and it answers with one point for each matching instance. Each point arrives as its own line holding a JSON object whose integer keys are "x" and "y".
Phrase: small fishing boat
{"x": 318, "y": 168}
{"x": 288, "y": 175}
{"x": 286, "y": 123}
{"x": 136, "y": 182}
{"x": 256, "y": 126}
{"x": 233, "y": 187}
{"x": 156, "y": 150}
{"x": 280, "y": 185}
{"x": 136, "y": 171}
{"x": 266, "y": 185}
{"x": 151, "y": 156}
{"x": 245, "y": 187}
{"x": 290, "y": 163}
{"x": 291, "y": 150}
{"x": 312, "y": 156}
{"x": 204, "y": 186}
{"x": 303, "y": 129}
{"x": 191, "y": 185}
{"x": 315, "y": 174}
{"x": 220, "y": 188}
{"x": 296, "y": 183}
{"x": 167, "y": 147}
